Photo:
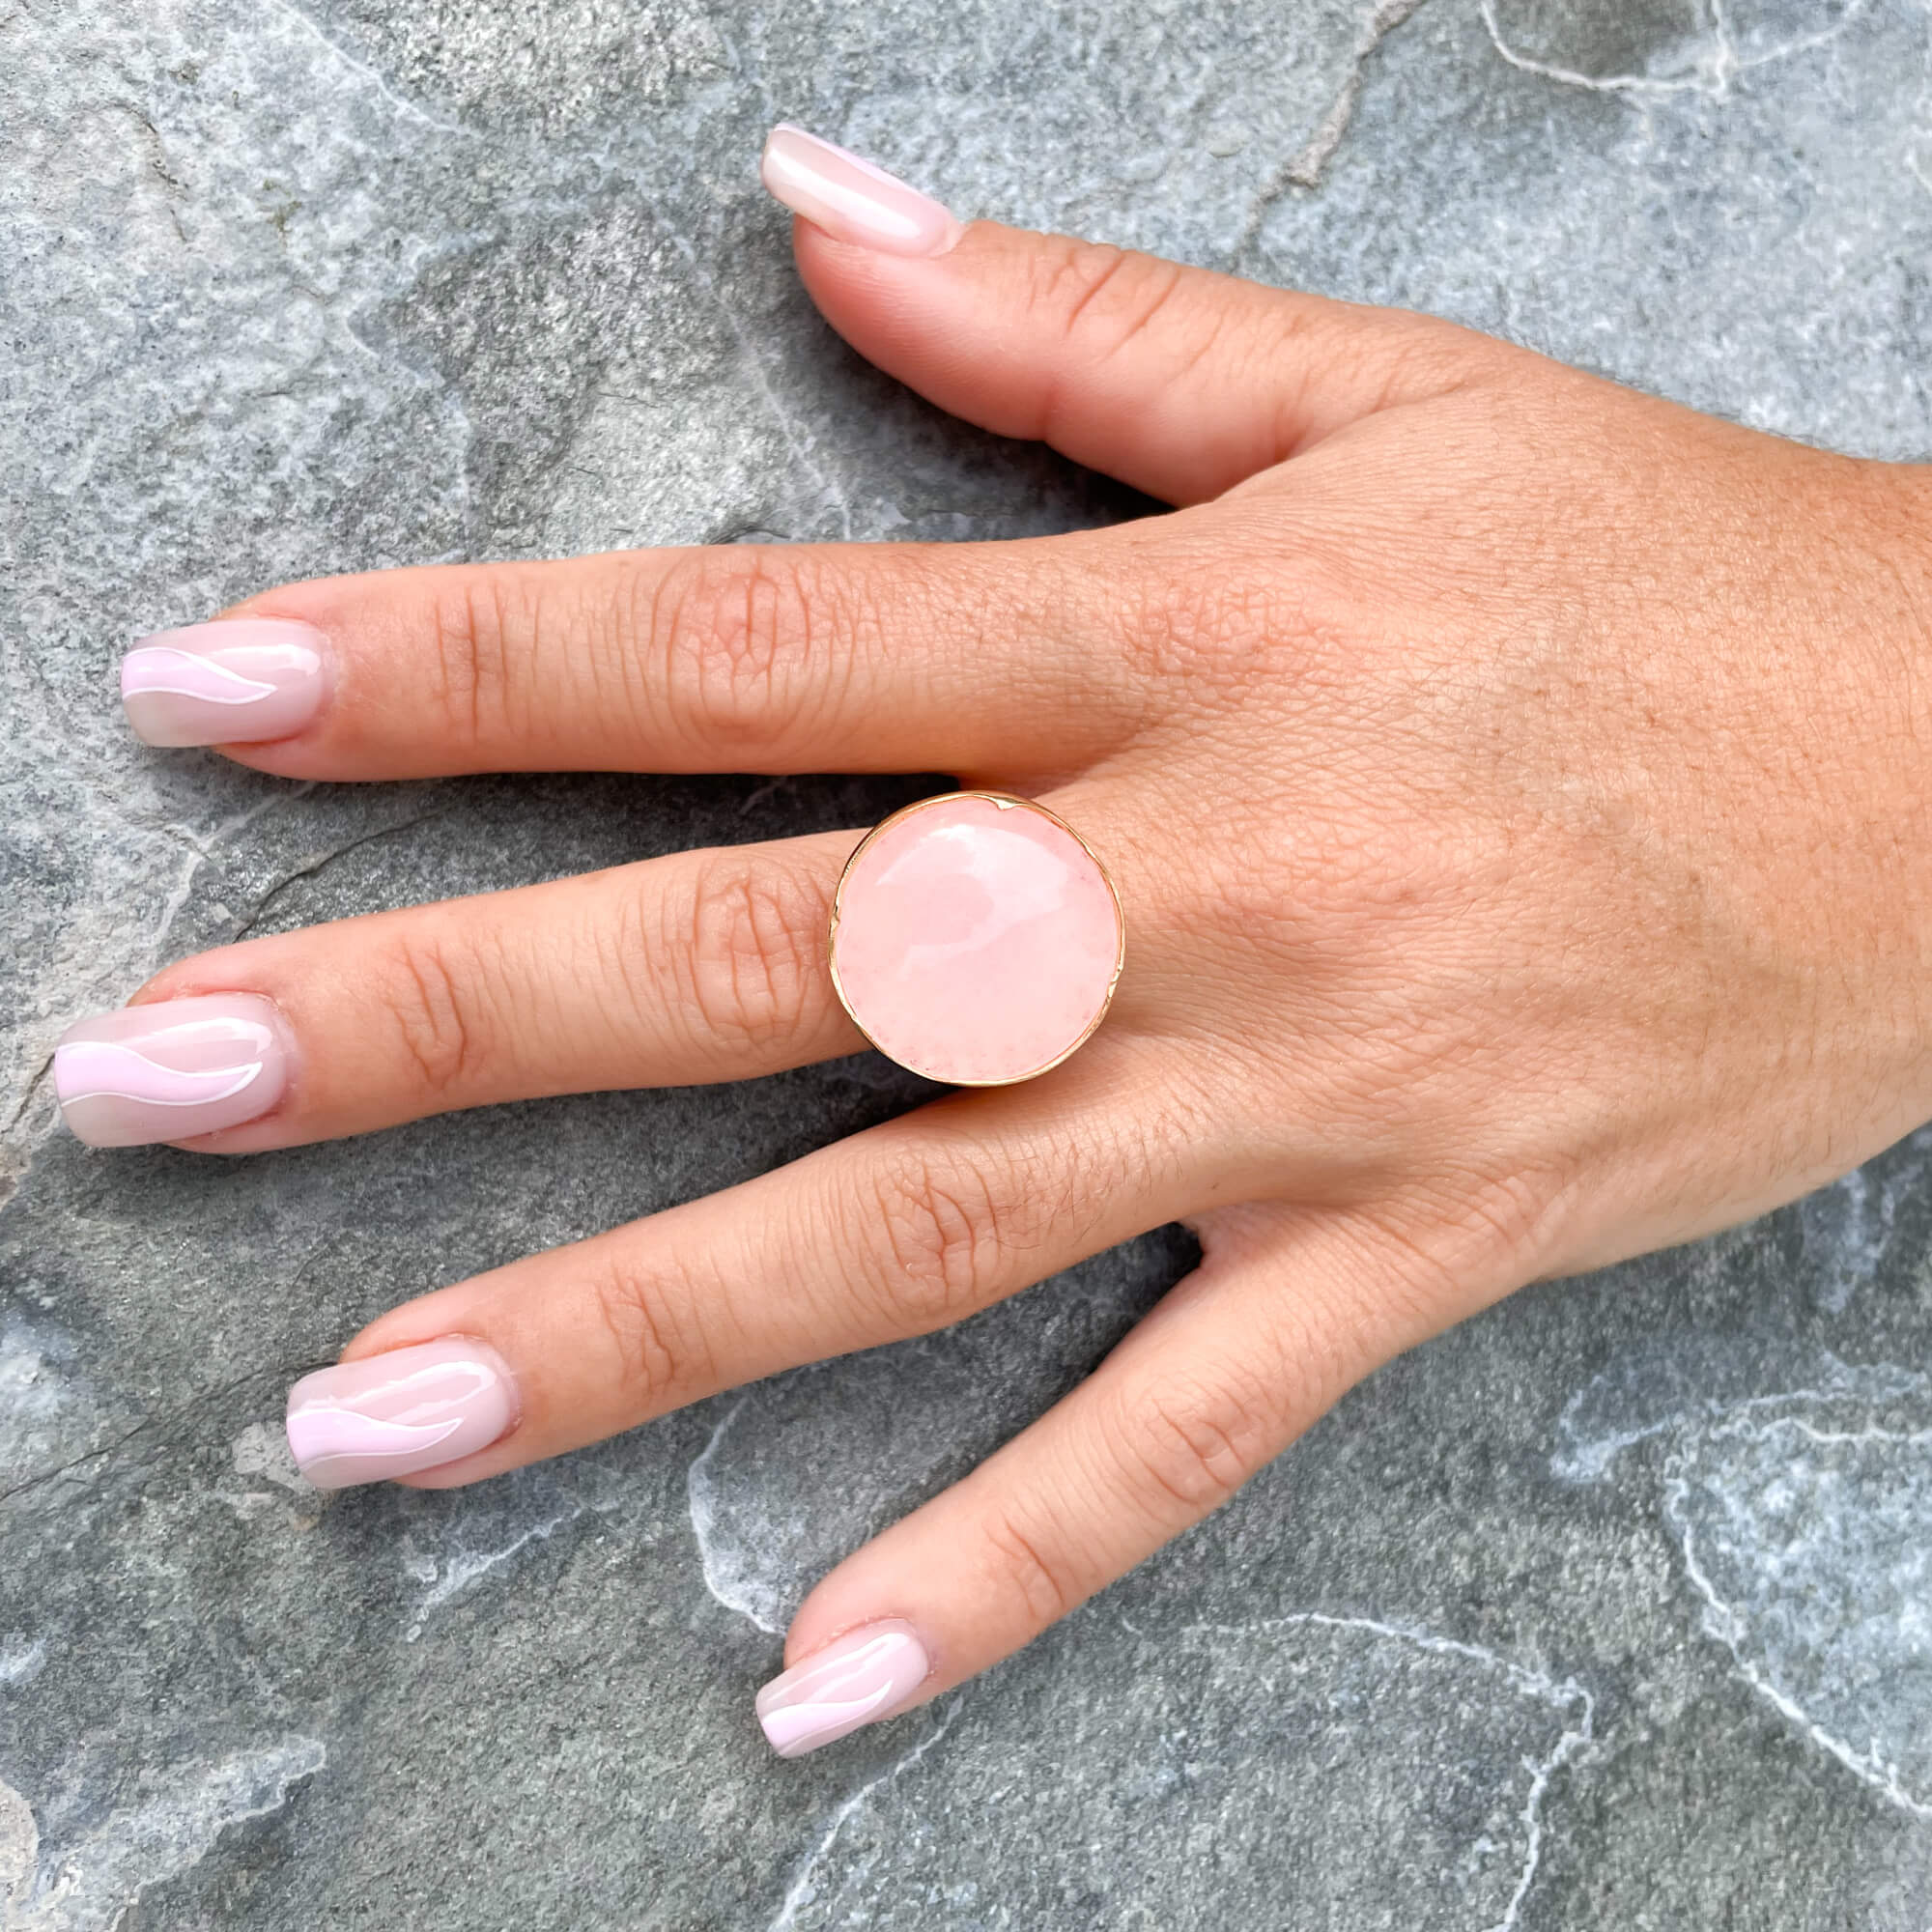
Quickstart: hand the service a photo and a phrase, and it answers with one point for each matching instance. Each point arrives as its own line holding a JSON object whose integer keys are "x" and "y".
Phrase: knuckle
{"x": 1379, "y": 357}
{"x": 943, "y": 1242}
{"x": 1499, "y": 1225}
{"x": 752, "y": 954}
{"x": 1193, "y": 1444}
{"x": 1270, "y": 636}
{"x": 429, "y": 998}
{"x": 478, "y": 622}
{"x": 648, "y": 1359}
{"x": 1069, "y": 273}
{"x": 1022, "y": 1564}
{"x": 733, "y": 632}
{"x": 1105, "y": 296}
{"x": 1428, "y": 355}
{"x": 1418, "y": 1289}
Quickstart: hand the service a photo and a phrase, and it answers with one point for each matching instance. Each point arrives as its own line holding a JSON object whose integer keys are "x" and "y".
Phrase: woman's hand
{"x": 1517, "y": 792}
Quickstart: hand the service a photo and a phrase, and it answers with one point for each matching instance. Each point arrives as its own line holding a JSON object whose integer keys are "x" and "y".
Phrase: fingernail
{"x": 861, "y": 1677}
{"x": 171, "y": 1071}
{"x": 392, "y": 1415}
{"x": 240, "y": 682}
{"x": 851, "y": 199}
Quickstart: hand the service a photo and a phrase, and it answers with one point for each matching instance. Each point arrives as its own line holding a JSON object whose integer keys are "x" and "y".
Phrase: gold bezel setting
{"x": 1005, "y": 801}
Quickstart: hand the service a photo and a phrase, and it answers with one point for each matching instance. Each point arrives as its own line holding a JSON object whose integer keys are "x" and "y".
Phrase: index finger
{"x": 769, "y": 657}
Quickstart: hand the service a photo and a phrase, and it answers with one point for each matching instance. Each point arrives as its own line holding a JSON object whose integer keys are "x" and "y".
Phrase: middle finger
{"x": 699, "y": 966}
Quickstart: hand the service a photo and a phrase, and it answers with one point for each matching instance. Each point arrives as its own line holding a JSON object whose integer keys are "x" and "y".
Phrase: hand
{"x": 1517, "y": 789}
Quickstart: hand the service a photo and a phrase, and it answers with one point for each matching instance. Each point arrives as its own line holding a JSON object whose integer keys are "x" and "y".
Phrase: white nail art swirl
{"x": 862, "y": 1676}
{"x": 92, "y": 1069}
{"x": 159, "y": 667}
{"x": 798, "y": 1727}
{"x": 327, "y": 1437}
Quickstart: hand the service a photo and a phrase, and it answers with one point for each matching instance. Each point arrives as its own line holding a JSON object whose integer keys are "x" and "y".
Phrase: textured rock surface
{"x": 1608, "y": 1609}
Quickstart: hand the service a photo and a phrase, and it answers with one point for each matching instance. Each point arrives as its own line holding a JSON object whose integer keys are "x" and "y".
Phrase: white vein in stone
{"x": 455, "y": 1573}
{"x": 1852, "y": 1222}
{"x": 203, "y": 847}
{"x": 1732, "y": 1626}
{"x": 1562, "y": 1697}
{"x": 20, "y": 1660}
{"x": 45, "y": 1421}
{"x": 364, "y": 73}
{"x": 262, "y": 1449}
{"x": 801, "y": 1893}
{"x": 1541, "y": 1770}
{"x": 1775, "y": 1658}
{"x": 1712, "y": 74}
{"x": 801, "y": 444}
{"x": 1382, "y": 19}
{"x": 705, "y": 1527}
{"x": 1584, "y": 1456}
{"x": 1570, "y": 1702}
{"x": 97, "y": 1876}
{"x": 19, "y": 1853}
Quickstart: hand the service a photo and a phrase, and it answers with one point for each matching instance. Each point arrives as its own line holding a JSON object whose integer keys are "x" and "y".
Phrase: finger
{"x": 1177, "y": 379}
{"x": 766, "y": 658}
{"x": 700, "y": 966}
{"x": 897, "y": 1230}
{"x": 707, "y": 965}
{"x": 1227, "y": 1370}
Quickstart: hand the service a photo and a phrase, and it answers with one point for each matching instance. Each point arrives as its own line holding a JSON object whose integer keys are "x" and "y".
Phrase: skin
{"x": 1561, "y": 755}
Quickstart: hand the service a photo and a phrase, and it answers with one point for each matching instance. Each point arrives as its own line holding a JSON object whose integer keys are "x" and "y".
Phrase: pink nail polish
{"x": 856, "y": 1679}
{"x": 391, "y": 1415}
{"x": 851, "y": 199}
{"x": 240, "y": 682}
{"x": 172, "y": 1069}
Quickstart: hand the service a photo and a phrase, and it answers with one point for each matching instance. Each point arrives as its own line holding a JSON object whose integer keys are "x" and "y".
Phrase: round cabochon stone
{"x": 974, "y": 940}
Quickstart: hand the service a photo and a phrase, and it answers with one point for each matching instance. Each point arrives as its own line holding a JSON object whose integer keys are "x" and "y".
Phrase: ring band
{"x": 976, "y": 938}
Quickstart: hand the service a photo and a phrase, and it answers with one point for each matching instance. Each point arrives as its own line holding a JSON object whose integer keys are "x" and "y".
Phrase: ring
{"x": 976, "y": 938}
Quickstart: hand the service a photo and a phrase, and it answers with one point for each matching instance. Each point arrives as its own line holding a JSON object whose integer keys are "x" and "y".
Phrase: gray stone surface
{"x": 1608, "y": 1610}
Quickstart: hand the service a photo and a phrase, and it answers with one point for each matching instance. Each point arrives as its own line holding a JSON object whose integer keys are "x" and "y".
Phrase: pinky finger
{"x": 1288, "y": 1310}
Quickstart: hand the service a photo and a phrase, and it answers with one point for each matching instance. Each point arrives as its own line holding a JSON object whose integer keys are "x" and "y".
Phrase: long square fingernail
{"x": 172, "y": 1069}
{"x": 393, "y": 1414}
{"x": 242, "y": 681}
{"x": 851, "y": 199}
{"x": 856, "y": 1679}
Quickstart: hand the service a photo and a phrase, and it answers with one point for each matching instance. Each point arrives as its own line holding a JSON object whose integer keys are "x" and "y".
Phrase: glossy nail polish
{"x": 393, "y": 1414}
{"x": 242, "y": 681}
{"x": 856, "y": 1679}
{"x": 851, "y": 199}
{"x": 172, "y": 1069}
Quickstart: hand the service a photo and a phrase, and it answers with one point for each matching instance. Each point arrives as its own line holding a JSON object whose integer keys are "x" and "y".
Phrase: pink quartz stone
{"x": 975, "y": 939}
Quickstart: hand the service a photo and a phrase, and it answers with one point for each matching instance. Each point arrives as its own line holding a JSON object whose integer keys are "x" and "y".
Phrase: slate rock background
{"x": 1609, "y": 1609}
